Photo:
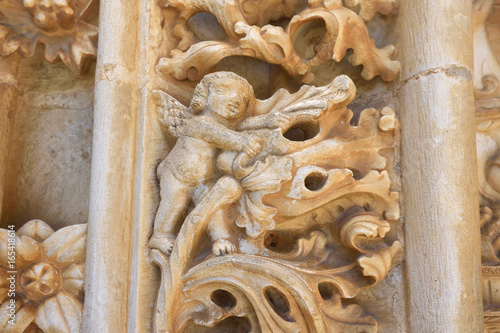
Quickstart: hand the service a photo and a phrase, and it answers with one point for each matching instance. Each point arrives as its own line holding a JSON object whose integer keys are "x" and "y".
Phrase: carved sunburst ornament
{"x": 58, "y": 24}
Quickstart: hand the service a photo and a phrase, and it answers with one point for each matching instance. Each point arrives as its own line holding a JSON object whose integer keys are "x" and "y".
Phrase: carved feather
{"x": 171, "y": 112}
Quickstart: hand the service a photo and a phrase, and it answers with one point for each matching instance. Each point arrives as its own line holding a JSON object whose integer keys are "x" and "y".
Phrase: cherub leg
{"x": 225, "y": 192}
{"x": 220, "y": 234}
{"x": 175, "y": 196}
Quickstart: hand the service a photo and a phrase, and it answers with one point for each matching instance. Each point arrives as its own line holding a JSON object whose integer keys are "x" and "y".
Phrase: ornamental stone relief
{"x": 52, "y": 122}
{"x": 487, "y": 70}
{"x": 42, "y": 266}
{"x": 42, "y": 278}
{"x": 273, "y": 30}
{"x": 247, "y": 173}
{"x": 59, "y": 25}
{"x": 273, "y": 212}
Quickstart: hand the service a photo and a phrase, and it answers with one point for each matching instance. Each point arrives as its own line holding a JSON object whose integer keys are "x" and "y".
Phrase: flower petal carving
{"x": 49, "y": 277}
{"x": 67, "y": 245}
{"x": 25, "y": 314}
{"x": 57, "y": 24}
{"x": 61, "y": 313}
{"x": 74, "y": 278}
{"x": 36, "y": 229}
{"x": 27, "y": 249}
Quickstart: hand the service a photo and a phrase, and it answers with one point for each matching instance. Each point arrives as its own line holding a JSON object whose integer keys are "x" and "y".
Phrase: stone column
{"x": 112, "y": 180}
{"x": 8, "y": 101}
{"x": 440, "y": 200}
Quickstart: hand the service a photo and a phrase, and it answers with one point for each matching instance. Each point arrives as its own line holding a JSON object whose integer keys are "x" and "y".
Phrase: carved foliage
{"x": 310, "y": 214}
{"x": 249, "y": 31}
{"x": 49, "y": 276}
{"x": 59, "y": 25}
{"x": 485, "y": 24}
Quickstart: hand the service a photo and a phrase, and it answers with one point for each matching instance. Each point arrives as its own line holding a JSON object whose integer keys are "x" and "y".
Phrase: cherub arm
{"x": 270, "y": 120}
{"x": 217, "y": 134}
{"x": 220, "y": 136}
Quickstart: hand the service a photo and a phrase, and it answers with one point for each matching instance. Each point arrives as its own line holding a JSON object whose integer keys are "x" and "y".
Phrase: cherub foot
{"x": 162, "y": 242}
{"x": 223, "y": 246}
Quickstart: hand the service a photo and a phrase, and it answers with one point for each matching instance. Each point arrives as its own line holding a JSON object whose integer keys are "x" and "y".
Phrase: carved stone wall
{"x": 49, "y": 175}
{"x": 247, "y": 165}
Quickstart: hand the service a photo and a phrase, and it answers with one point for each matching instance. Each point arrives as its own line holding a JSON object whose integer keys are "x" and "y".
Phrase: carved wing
{"x": 171, "y": 112}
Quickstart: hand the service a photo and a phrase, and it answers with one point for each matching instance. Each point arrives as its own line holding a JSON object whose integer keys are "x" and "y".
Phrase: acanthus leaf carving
{"x": 295, "y": 202}
{"x": 249, "y": 32}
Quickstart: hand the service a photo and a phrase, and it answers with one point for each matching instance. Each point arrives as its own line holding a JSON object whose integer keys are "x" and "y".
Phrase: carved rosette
{"x": 250, "y": 28}
{"x": 59, "y": 25}
{"x": 48, "y": 275}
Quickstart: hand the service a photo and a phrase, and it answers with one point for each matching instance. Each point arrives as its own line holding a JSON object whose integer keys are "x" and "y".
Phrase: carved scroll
{"x": 294, "y": 215}
{"x": 47, "y": 277}
{"x": 487, "y": 100}
{"x": 249, "y": 28}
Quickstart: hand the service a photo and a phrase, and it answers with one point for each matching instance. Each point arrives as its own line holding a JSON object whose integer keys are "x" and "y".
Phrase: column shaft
{"x": 108, "y": 269}
{"x": 440, "y": 200}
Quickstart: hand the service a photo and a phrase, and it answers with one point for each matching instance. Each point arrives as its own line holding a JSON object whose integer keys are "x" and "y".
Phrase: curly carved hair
{"x": 200, "y": 94}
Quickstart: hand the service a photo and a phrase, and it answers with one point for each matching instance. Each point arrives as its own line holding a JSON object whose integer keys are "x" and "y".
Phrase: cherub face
{"x": 228, "y": 98}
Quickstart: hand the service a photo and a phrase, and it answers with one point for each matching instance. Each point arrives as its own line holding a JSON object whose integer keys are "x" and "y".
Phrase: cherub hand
{"x": 253, "y": 145}
{"x": 278, "y": 120}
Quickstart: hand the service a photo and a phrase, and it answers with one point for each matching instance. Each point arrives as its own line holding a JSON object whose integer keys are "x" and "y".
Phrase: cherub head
{"x": 223, "y": 93}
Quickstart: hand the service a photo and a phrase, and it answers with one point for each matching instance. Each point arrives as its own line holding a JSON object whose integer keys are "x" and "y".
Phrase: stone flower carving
{"x": 49, "y": 277}
{"x": 59, "y": 25}
{"x": 272, "y": 212}
{"x": 250, "y": 28}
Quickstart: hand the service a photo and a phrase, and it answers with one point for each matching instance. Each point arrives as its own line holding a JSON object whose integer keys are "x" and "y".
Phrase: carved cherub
{"x": 203, "y": 129}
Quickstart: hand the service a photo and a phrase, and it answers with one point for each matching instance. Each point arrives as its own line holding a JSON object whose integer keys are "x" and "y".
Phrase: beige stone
{"x": 48, "y": 273}
{"x": 263, "y": 175}
{"x": 246, "y": 170}
{"x": 438, "y": 158}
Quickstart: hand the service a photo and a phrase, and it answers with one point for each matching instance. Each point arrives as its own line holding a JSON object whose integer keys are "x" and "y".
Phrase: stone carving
{"x": 487, "y": 123}
{"x": 487, "y": 100}
{"x": 251, "y": 28}
{"x": 282, "y": 209}
{"x": 59, "y": 25}
{"x": 48, "y": 275}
